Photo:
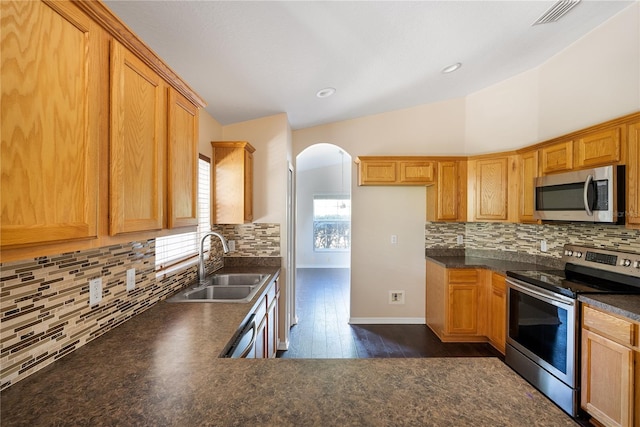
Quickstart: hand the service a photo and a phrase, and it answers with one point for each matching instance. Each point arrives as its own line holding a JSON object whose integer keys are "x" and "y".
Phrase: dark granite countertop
{"x": 623, "y": 305}
{"x": 498, "y": 261}
{"x": 162, "y": 368}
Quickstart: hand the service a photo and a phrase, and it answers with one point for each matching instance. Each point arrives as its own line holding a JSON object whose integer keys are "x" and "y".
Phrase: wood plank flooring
{"x": 323, "y": 331}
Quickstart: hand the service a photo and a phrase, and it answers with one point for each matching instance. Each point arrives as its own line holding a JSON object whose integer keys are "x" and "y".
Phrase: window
{"x": 331, "y": 222}
{"x": 171, "y": 250}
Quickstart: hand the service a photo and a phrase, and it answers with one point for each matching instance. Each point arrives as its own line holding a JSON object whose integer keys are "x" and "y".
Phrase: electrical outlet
{"x": 131, "y": 279}
{"x": 394, "y": 239}
{"x": 396, "y": 297}
{"x": 459, "y": 239}
{"x": 232, "y": 245}
{"x": 95, "y": 291}
{"x": 543, "y": 245}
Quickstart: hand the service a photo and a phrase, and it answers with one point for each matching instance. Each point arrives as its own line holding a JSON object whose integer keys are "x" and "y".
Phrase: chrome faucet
{"x": 201, "y": 269}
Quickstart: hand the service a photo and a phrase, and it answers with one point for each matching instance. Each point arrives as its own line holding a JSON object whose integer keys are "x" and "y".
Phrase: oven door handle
{"x": 554, "y": 298}
{"x": 585, "y": 195}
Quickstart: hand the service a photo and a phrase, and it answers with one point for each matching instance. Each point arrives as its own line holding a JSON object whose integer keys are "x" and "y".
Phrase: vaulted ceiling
{"x": 250, "y": 59}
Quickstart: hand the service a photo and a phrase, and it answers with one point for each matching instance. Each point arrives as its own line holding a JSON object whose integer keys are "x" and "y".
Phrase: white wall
{"x": 208, "y": 130}
{"x": 322, "y": 180}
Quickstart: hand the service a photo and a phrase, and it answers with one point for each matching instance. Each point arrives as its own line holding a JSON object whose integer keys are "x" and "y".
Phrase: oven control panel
{"x": 621, "y": 262}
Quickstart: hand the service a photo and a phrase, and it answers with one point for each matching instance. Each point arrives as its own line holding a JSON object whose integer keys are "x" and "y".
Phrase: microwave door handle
{"x": 585, "y": 195}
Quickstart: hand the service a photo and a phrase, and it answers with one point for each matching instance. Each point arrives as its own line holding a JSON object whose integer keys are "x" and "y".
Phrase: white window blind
{"x": 171, "y": 250}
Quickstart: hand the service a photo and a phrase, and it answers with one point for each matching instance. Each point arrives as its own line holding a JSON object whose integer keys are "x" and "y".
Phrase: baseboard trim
{"x": 387, "y": 320}
{"x": 283, "y": 345}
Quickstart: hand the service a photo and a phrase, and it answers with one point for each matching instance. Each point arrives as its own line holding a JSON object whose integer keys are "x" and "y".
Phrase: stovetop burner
{"x": 588, "y": 271}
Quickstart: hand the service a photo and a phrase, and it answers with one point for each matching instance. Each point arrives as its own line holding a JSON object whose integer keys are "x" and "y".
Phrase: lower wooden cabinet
{"x": 455, "y": 303}
{"x": 497, "y": 312}
{"x": 609, "y": 368}
{"x": 466, "y": 305}
{"x": 266, "y": 319}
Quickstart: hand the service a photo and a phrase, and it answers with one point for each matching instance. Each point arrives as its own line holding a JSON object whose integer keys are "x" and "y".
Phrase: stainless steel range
{"x": 543, "y": 330}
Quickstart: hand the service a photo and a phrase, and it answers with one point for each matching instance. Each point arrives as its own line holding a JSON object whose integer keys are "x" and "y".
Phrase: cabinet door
{"x": 415, "y": 172}
{"x": 248, "y": 186}
{"x": 182, "y": 162}
{"x": 557, "y": 157}
{"x": 528, "y": 173}
{"x": 607, "y": 380}
{"x": 633, "y": 177}
{"x": 462, "y": 315}
{"x": 498, "y": 312}
{"x": 137, "y": 140}
{"x": 601, "y": 148}
{"x": 377, "y": 172}
{"x": 492, "y": 187}
{"x": 448, "y": 192}
{"x": 51, "y": 101}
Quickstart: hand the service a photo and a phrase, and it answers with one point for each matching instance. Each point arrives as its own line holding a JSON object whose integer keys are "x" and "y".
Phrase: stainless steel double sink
{"x": 232, "y": 287}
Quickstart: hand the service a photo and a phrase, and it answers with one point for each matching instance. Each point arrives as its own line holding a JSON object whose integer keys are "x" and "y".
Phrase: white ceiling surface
{"x": 259, "y": 58}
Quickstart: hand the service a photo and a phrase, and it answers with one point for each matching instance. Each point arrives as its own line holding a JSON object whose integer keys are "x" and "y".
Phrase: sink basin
{"x": 236, "y": 287}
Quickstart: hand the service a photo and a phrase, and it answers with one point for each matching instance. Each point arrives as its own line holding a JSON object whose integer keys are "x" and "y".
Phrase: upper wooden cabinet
{"x": 50, "y": 123}
{"x": 595, "y": 148}
{"x": 138, "y": 138}
{"x": 85, "y": 131}
{"x": 557, "y": 157}
{"x": 528, "y": 171}
{"x": 494, "y": 183}
{"x": 182, "y": 164}
{"x": 446, "y": 200}
{"x": 633, "y": 176}
{"x": 395, "y": 170}
{"x": 598, "y": 148}
{"x": 232, "y": 174}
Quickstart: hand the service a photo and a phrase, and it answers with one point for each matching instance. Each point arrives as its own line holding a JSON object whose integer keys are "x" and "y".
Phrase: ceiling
{"x": 259, "y": 58}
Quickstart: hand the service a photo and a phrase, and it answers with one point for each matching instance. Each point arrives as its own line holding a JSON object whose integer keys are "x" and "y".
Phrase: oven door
{"x": 542, "y": 326}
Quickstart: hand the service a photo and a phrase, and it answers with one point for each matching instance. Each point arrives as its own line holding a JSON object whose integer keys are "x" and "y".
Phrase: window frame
{"x": 337, "y": 197}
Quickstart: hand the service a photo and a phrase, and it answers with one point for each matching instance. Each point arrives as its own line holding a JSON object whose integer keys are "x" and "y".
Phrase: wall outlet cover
{"x": 396, "y": 297}
{"x": 95, "y": 291}
{"x": 131, "y": 279}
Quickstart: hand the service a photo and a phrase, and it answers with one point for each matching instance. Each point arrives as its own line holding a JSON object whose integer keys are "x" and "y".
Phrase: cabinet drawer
{"x": 621, "y": 330}
{"x": 463, "y": 276}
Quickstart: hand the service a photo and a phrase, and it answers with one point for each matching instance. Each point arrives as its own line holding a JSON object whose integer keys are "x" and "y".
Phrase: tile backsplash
{"x": 526, "y": 238}
{"x": 44, "y": 301}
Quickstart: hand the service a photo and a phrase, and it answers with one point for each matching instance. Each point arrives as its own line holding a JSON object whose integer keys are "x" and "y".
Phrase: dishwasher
{"x": 244, "y": 340}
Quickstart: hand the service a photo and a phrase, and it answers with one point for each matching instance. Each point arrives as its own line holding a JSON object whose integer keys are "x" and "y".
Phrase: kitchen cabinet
{"x": 232, "y": 174}
{"x": 182, "y": 163}
{"x": 497, "y": 312}
{"x": 557, "y": 157}
{"x": 609, "y": 367}
{"x": 528, "y": 171}
{"x": 446, "y": 199}
{"x": 455, "y": 303}
{"x": 96, "y": 119}
{"x": 266, "y": 318}
{"x": 138, "y": 139}
{"x": 51, "y": 112}
{"x": 633, "y": 176}
{"x": 493, "y": 187}
{"x": 598, "y": 148}
{"x": 385, "y": 170}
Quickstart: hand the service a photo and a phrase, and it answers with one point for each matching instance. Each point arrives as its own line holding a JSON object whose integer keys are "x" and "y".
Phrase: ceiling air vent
{"x": 556, "y": 11}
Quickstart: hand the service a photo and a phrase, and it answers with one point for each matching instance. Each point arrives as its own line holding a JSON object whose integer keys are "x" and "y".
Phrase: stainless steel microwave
{"x": 589, "y": 195}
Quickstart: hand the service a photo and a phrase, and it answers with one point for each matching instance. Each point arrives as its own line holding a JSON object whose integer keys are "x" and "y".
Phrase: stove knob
{"x": 578, "y": 254}
{"x": 636, "y": 264}
{"x": 568, "y": 252}
{"x": 625, "y": 262}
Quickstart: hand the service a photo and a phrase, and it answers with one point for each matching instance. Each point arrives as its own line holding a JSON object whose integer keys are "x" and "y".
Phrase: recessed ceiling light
{"x": 451, "y": 68}
{"x": 326, "y": 92}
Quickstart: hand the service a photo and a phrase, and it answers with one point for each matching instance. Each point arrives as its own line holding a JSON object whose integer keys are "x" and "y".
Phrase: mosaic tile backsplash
{"x": 526, "y": 238}
{"x": 44, "y": 301}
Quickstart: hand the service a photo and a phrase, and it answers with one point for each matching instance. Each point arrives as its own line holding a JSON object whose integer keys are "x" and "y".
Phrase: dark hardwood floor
{"x": 323, "y": 331}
